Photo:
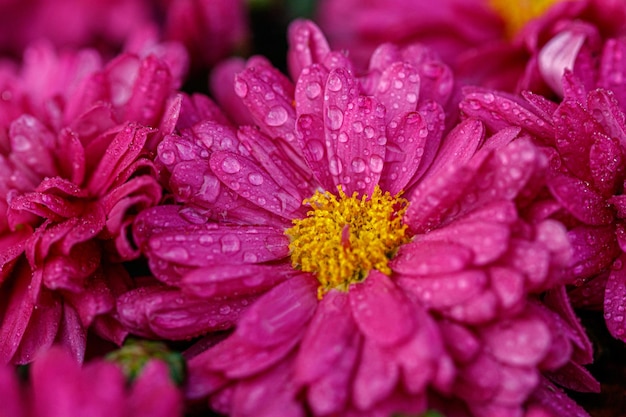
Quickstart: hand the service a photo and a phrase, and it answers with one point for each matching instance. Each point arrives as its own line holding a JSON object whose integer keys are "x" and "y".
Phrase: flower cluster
{"x": 407, "y": 217}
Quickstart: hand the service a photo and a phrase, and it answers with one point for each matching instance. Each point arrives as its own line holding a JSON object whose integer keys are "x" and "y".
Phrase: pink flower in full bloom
{"x": 74, "y": 171}
{"x": 57, "y": 386}
{"x": 368, "y": 265}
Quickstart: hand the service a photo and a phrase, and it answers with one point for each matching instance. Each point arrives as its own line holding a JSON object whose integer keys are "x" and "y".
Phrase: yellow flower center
{"x": 516, "y": 13}
{"x": 343, "y": 238}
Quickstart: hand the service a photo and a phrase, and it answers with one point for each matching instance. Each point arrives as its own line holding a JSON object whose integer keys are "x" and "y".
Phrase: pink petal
{"x": 311, "y": 132}
{"x": 308, "y": 96}
{"x": 165, "y": 312}
{"x": 381, "y": 310}
{"x": 459, "y": 145}
{"x": 263, "y": 338}
{"x": 575, "y": 377}
{"x": 307, "y": 46}
{"x": 154, "y": 394}
{"x": 460, "y": 341}
{"x": 18, "y": 312}
{"x": 612, "y": 67}
{"x": 614, "y": 296}
{"x": 424, "y": 258}
{"x": 362, "y": 133}
{"x": 124, "y": 149}
{"x": 226, "y": 280}
{"x": 406, "y": 145}
{"x": 434, "y": 117}
{"x": 398, "y": 89}
{"x": 269, "y": 394}
{"x": 593, "y": 248}
{"x": 486, "y": 240}
{"x": 480, "y": 380}
{"x": 33, "y": 145}
{"x": 207, "y": 244}
{"x": 559, "y": 54}
{"x": 281, "y": 313}
{"x": 582, "y": 201}
{"x": 243, "y": 176}
{"x": 376, "y": 376}
{"x": 522, "y": 341}
{"x": 321, "y": 349}
{"x": 268, "y": 95}
{"x": 508, "y": 285}
{"x": 445, "y": 290}
{"x": 341, "y": 89}
{"x": 150, "y": 91}
{"x": 516, "y": 385}
{"x": 500, "y": 110}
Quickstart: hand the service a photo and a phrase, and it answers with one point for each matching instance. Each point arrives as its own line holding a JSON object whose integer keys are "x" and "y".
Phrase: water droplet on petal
{"x": 343, "y": 137}
{"x": 313, "y": 90}
{"x": 167, "y": 157}
{"x": 255, "y": 179}
{"x": 334, "y": 83}
{"x": 316, "y": 148}
{"x": 241, "y": 88}
{"x": 411, "y": 98}
{"x": 376, "y": 163}
{"x": 230, "y": 165}
{"x": 20, "y": 143}
{"x": 335, "y": 117}
{"x": 276, "y": 116}
{"x": 358, "y": 165}
{"x": 335, "y": 166}
{"x": 230, "y": 243}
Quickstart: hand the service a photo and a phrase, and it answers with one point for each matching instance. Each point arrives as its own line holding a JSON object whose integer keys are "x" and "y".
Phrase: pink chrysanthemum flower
{"x": 367, "y": 269}
{"x": 587, "y": 131}
{"x": 209, "y": 29}
{"x": 525, "y": 43}
{"x": 58, "y": 386}
{"x": 73, "y": 174}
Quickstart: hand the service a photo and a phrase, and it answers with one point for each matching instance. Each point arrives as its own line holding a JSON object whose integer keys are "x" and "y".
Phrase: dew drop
{"x": 357, "y": 127}
{"x": 376, "y": 163}
{"x": 316, "y": 148}
{"x": 255, "y": 179}
{"x": 230, "y": 244}
{"x": 342, "y": 137}
{"x": 358, "y": 165}
{"x": 230, "y": 165}
{"x": 334, "y": 83}
{"x": 335, "y": 166}
{"x": 277, "y": 116}
{"x": 20, "y": 143}
{"x": 313, "y": 90}
{"x": 335, "y": 117}
{"x": 241, "y": 88}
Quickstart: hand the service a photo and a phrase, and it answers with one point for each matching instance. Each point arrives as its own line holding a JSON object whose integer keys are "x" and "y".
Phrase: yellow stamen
{"x": 343, "y": 238}
{"x": 516, "y": 13}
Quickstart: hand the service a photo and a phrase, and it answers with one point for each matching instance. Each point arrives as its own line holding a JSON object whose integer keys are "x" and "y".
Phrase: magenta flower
{"x": 70, "y": 23}
{"x": 526, "y": 44}
{"x": 58, "y": 386}
{"x": 366, "y": 268}
{"x": 74, "y": 172}
{"x": 452, "y": 27}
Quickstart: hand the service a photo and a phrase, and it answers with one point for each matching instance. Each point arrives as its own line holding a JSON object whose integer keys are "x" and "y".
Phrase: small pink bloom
{"x": 75, "y": 170}
{"x": 58, "y": 386}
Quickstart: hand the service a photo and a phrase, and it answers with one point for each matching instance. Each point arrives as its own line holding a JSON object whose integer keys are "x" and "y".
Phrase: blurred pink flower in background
{"x": 74, "y": 171}
{"x": 57, "y": 386}
{"x": 510, "y": 46}
{"x": 209, "y": 29}
{"x": 324, "y": 322}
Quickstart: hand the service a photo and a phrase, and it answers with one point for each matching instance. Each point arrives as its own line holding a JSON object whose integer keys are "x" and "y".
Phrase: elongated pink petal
{"x": 377, "y": 305}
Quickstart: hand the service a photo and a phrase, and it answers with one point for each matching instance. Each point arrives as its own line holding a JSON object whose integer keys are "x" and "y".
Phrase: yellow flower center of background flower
{"x": 516, "y": 13}
{"x": 343, "y": 238}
